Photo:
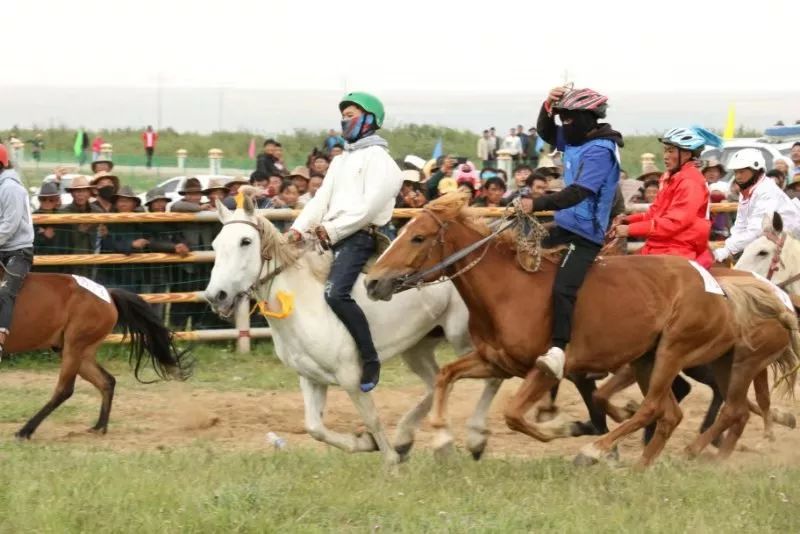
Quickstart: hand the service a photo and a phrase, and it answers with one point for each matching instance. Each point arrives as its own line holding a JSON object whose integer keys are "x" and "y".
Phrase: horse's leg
{"x": 70, "y": 362}
{"x": 469, "y": 366}
{"x": 477, "y": 429}
{"x": 93, "y": 373}
{"x": 369, "y": 413}
{"x": 597, "y": 416}
{"x": 314, "y": 396}
{"x": 536, "y": 384}
{"x": 705, "y": 375}
{"x": 742, "y": 375}
{"x": 547, "y": 409}
{"x": 666, "y": 367}
{"x": 761, "y": 388}
{"x": 680, "y": 389}
{"x": 663, "y": 430}
{"x": 623, "y": 378}
{"x": 422, "y": 362}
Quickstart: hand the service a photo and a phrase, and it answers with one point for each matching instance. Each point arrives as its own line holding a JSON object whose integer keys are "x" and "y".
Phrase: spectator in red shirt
{"x": 149, "y": 138}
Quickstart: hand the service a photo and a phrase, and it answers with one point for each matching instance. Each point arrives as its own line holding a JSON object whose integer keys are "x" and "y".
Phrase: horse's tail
{"x": 147, "y": 334}
{"x": 753, "y": 301}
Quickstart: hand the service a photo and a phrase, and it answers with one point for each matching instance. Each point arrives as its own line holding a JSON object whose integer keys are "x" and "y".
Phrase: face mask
{"x": 358, "y": 127}
{"x": 106, "y": 192}
{"x": 582, "y": 123}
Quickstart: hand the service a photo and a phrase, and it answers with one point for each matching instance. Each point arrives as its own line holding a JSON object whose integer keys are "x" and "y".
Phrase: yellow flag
{"x": 730, "y": 127}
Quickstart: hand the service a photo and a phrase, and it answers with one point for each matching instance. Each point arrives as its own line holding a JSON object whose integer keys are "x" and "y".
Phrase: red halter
{"x": 775, "y": 262}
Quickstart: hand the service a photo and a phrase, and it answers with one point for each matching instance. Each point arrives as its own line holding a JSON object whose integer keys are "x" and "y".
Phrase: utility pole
{"x": 159, "y": 83}
{"x": 220, "y": 109}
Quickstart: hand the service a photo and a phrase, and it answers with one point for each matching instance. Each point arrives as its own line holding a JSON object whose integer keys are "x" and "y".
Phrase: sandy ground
{"x": 175, "y": 415}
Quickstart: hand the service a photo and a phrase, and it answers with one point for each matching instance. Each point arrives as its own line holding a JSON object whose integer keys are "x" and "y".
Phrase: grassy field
{"x": 58, "y": 485}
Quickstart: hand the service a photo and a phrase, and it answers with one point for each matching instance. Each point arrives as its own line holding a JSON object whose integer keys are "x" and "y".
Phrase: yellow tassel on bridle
{"x": 286, "y": 300}
{"x": 239, "y": 199}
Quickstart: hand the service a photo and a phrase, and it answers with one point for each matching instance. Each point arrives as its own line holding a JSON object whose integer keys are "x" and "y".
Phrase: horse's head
{"x": 241, "y": 255}
{"x": 765, "y": 255}
{"x": 420, "y": 245}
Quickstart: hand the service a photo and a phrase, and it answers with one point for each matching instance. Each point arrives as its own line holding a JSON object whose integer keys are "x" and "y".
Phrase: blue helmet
{"x": 691, "y": 139}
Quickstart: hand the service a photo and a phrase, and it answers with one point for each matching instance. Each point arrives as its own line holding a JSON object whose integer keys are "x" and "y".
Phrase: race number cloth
{"x": 780, "y": 293}
{"x": 93, "y": 287}
{"x": 711, "y": 285}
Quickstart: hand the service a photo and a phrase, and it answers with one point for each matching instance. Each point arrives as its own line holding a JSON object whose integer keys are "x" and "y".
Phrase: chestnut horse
{"x": 627, "y": 307}
{"x": 54, "y": 311}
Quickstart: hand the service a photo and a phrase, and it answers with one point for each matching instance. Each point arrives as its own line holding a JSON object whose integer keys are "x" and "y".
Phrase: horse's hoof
{"x": 631, "y": 407}
{"x": 477, "y": 454}
{"x": 580, "y": 428}
{"x": 791, "y": 422}
{"x": 22, "y": 436}
{"x": 543, "y": 416}
{"x": 612, "y": 456}
{"x": 404, "y": 450}
{"x": 101, "y": 431}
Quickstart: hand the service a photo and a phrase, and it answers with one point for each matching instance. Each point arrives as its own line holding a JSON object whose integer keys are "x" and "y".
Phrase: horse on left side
{"x": 54, "y": 311}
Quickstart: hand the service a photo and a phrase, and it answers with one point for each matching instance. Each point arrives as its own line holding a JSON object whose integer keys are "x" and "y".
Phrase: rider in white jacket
{"x": 759, "y": 196}
{"x": 356, "y": 197}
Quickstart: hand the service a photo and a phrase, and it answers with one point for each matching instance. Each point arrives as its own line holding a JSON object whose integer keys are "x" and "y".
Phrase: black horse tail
{"x": 148, "y": 335}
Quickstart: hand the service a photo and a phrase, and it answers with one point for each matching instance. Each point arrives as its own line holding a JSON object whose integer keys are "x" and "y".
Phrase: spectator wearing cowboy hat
{"x": 647, "y": 193}
{"x": 446, "y": 185}
{"x": 300, "y": 177}
{"x": 124, "y": 238}
{"x": 216, "y": 191}
{"x": 192, "y": 276}
{"x": 50, "y": 239}
{"x": 713, "y": 171}
{"x": 106, "y": 185}
{"x": 82, "y": 238}
{"x": 410, "y": 195}
{"x": 234, "y": 185}
{"x": 314, "y": 183}
{"x": 784, "y": 165}
{"x": 101, "y": 165}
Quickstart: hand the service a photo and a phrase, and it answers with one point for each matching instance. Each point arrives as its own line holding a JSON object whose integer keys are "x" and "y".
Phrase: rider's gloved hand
{"x": 721, "y": 254}
{"x": 293, "y": 236}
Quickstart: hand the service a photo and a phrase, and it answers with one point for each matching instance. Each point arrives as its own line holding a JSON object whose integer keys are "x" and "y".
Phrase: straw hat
{"x": 108, "y": 162}
{"x": 105, "y": 174}
{"x": 416, "y": 161}
{"x": 48, "y": 189}
{"x": 127, "y": 192}
{"x": 300, "y": 172}
{"x": 649, "y": 171}
{"x": 155, "y": 194}
{"x": 447, "y": 185}
{"x": 79, "y": 182}
{"x": 215, "y": 184}
{"x": 411, "y": 175}
{"x": 237, "y": 180}
{"x": 191, "y": 185}
{"x": 428, "y": 168}
{"x": 711, "y": 163}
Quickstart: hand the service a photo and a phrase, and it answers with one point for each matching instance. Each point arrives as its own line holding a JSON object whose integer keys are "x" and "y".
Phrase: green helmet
{"x": 367, "y": 102}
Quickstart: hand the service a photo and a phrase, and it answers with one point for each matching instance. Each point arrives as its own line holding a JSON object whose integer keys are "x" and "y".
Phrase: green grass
{"x": 59, "y": 489}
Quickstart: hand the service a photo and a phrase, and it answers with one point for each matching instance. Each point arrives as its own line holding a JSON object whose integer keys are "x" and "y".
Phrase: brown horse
{"x": 55, "y": 311}
{"x": 627, "y": 307}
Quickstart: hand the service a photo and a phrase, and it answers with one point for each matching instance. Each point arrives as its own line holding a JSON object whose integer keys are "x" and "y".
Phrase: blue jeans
{"x": 349, "y": 257}
{"x": 17, "y": 264}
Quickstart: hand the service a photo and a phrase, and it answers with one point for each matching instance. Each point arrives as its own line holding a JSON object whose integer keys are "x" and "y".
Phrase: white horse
{"x": 253, "y": 257}
{"x": 776, "y": 249}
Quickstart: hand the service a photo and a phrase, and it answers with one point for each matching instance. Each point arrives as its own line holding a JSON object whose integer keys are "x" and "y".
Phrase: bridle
{"x": 776, "y": 262}
{"x": 417, "y": 280}
{"x": 265, "y": 256}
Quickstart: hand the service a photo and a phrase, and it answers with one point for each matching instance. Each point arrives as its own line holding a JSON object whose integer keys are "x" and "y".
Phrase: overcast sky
{"x": 378, "y": 45}
{"x": 274, "y": 65}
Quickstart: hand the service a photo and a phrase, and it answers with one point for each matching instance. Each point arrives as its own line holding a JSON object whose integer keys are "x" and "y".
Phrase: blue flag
{"x": 437, "y": 150}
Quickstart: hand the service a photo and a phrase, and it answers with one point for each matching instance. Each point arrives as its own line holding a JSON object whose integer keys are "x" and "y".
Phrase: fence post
{"x": 504, "y": 164}
{"x": 648, "y": 162}
{"x": 181, "y": 154}
{"x": 106, "y": 151}
{"x": 243, "y": 327}
{"x": 215, "y": 161}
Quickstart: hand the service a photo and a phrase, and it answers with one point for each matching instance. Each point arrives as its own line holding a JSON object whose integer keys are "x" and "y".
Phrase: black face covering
{"x": 582, "y": 123}
{"x": 106, "y": 192}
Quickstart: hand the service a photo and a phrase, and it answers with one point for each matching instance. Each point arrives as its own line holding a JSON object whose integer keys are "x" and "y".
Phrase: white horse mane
{"x": 275, "y": 244}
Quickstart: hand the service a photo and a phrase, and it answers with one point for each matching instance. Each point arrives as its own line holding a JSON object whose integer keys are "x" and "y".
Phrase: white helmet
{"x": 748, "y": 158}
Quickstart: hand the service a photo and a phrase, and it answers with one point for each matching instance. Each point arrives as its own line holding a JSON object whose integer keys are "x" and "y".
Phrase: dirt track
{"x": 173, "y": 415}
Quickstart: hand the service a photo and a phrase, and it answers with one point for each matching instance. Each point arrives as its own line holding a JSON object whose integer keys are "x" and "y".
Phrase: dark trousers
{"x": 349, "y": 257}
{"x": 17, "y": 265}
{"x": 148, "y": 151}
{"x": 572, "y": 270}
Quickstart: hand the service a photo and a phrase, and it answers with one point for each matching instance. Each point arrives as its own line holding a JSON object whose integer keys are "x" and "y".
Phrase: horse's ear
{"x": 247, "y": 205}
{"x": 223, "y": 212}
{"x": 777, "y": 222}
{"x": 766, "y": 223}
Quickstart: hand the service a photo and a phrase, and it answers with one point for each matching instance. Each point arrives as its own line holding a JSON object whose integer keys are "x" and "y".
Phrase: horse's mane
{"x": 452, "y": 206}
